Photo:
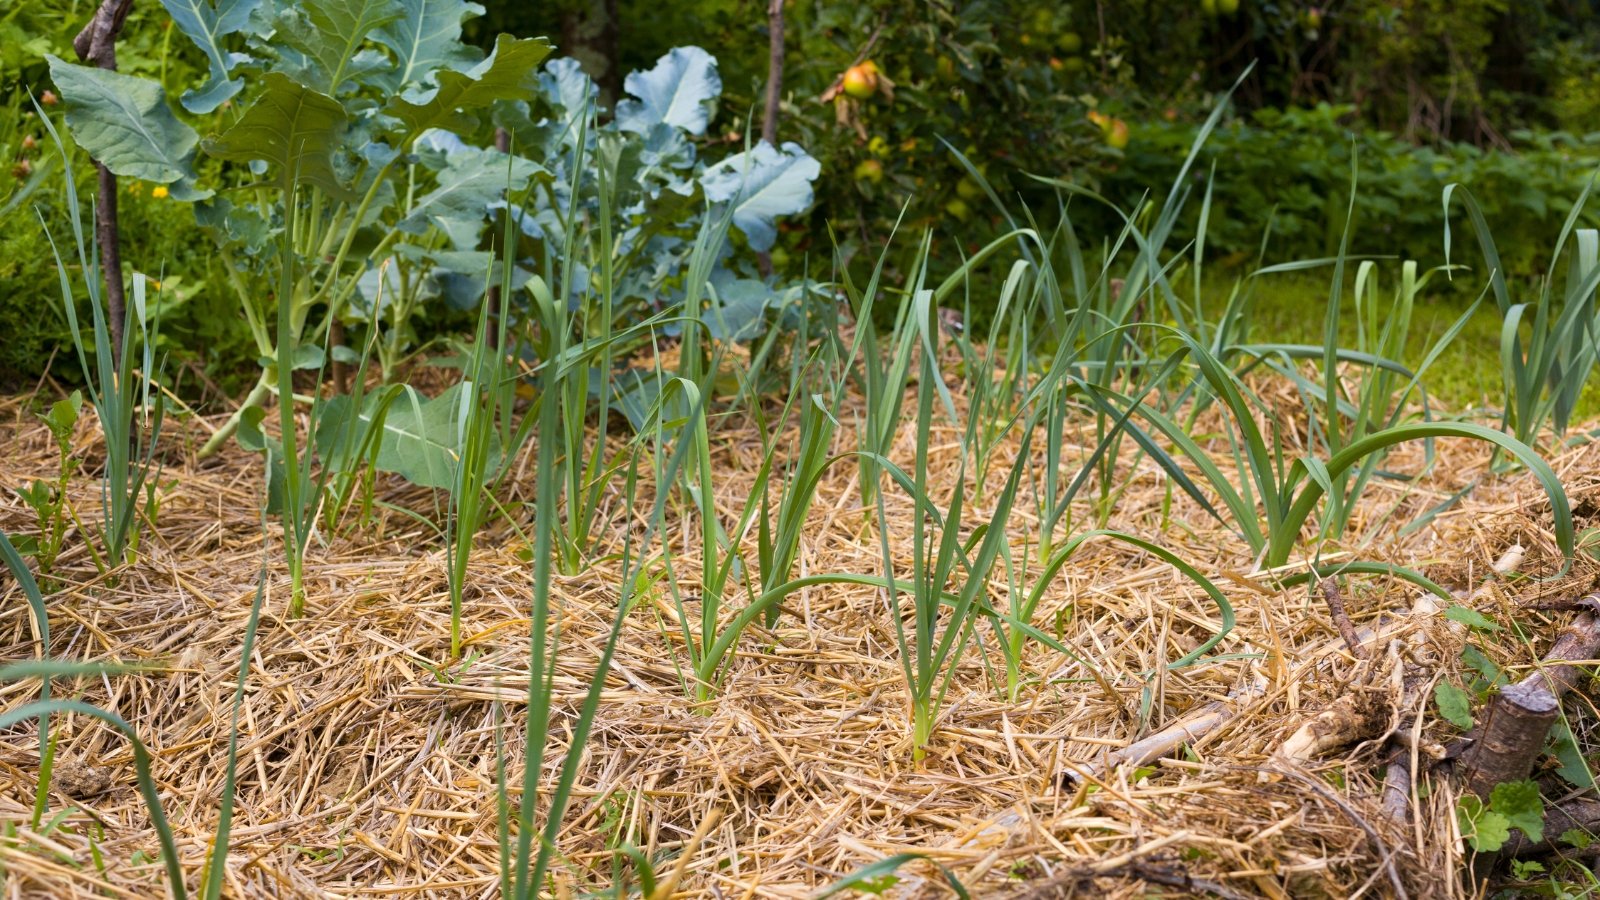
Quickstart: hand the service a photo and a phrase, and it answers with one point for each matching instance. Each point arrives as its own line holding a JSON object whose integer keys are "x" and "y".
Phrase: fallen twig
{"x": 1341, "y": 618}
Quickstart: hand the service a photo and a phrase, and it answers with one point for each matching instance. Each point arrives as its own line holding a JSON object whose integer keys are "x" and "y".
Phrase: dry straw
{"x": 366, "y": 770}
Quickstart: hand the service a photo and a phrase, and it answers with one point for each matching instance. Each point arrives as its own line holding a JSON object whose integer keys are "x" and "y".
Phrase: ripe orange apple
{"x": 1117, "y": 135}
{"x": 861, "y": 81}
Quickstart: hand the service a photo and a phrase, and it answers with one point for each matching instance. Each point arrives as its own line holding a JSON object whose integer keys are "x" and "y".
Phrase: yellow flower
{"x": 136, "y": 188}
{"x": 159, "y": 191}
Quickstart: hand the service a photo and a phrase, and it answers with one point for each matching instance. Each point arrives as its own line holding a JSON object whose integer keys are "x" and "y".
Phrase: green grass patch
{"x": 1466, "y": 376}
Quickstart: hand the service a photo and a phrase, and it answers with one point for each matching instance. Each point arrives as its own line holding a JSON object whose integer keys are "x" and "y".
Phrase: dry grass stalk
{"x": 365, "y": 771}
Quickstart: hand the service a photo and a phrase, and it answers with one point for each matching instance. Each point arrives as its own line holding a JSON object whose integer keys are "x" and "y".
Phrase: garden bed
{"x": 367, "y": 765}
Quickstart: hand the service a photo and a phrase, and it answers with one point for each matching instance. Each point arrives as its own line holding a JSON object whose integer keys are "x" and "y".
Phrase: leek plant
{"x": 1364, "y": 390}
{"x": 129, "y": 411}
{"x": 484, "y": 400}
{"x": 778, "y": 543}
{"x": 524, "y": 866}
{"x": 883, "y": 376}
{"x": 1548, "y": 344}
{"x": 1275, "y": 496}
{"x": 929, "y": 653}
{"x": 349, "y": 432}
{"x": 588, "y": 470}
{"x": 1015, "y": 629}
{"x": 681, "y": 419}
{"x": 778, "y": 537}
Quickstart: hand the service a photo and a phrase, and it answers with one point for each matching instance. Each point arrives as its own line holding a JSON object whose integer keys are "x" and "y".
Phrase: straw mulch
{"x": 367, "y": 770}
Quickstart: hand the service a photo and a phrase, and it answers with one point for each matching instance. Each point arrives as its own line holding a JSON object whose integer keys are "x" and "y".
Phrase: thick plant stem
{"x": 262, "y": 388}
{"x": 922, "y": 714}
{"x": 297, "y": 586}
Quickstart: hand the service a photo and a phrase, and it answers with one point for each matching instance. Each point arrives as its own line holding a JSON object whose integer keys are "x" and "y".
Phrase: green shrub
{"x": 1291, "y": 169}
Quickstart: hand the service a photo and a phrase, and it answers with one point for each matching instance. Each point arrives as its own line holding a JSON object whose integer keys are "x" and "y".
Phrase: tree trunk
{"x": 589, "y": 35}
{"x": 502, "y": 142}
{"x": 1518, "y": 719}
{"x": 96, "y": 45}
{"x": 769, "y": 114}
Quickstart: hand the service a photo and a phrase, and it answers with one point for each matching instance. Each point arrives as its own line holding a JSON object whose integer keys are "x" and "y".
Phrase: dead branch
{"x": 1191, "y": 728}
{"x": 1341, "y": 618}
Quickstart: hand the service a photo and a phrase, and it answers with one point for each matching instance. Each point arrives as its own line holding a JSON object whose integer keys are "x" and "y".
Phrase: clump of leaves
{"x": 1512, "y": 804}
{"x": 48, "y": 499}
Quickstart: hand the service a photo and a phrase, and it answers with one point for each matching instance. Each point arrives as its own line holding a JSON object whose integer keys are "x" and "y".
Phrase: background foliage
{"x": 1498, "y": 94}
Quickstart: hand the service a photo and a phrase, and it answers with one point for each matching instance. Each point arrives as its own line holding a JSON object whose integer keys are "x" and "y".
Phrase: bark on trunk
{"x": 1518, "y": 719}
{"x": 1512, "y": 737}
{"x": 1520, "y": 714}
{"x": 589, "y": 35}
{"x": 96, "y": 45}
{"x": 502, "y": 142}
{"x": 769, "y": 115}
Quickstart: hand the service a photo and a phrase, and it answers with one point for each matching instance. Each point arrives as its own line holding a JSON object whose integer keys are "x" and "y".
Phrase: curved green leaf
{"x": 761, "y": 185}
{"x": 291, "y": 127}
{"x": 680, "y": 91}
{"x": 124, "y": 123}
{"x": 1288, "y": 530}
{"x": 328, "y": 35}
{"x": 510, "y": 73}
{"x": 871, "y": 876}
{"x": 206, "y": 24}
{"x": 425, "y": 39}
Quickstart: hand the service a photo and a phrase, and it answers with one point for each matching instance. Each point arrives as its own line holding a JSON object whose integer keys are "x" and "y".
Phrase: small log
{"x": 1396, "y": 800}
{"x": 1519, "y": 715}
{"x": 1514, "y": 728}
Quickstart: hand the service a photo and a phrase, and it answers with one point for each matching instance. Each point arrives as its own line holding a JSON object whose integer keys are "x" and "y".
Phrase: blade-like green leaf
{"x": 872, "y": 874}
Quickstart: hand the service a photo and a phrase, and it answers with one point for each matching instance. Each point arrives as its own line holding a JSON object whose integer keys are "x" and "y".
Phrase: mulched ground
{"x": 367, "y": 770}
